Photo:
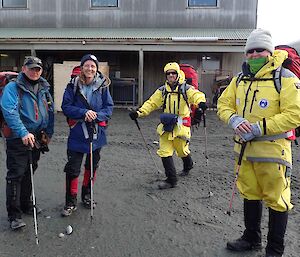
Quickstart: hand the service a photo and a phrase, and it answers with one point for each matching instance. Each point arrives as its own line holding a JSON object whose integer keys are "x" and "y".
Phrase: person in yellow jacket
{"x": 174, "y": 97}
{"x": 262, "y": 118}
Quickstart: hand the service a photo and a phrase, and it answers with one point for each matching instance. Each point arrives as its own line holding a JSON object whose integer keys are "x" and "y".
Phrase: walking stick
{"x": 210, "y": 193}
{"x": 33, "y": 195}
{"x": 92, "y": 131}
{"x": 236, "y": 176}
{"x": 138, "y": 126}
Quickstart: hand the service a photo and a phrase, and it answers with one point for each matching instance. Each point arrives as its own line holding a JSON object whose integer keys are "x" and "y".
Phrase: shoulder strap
{"x": 239, "y": 78}
{"x": 277, "y": 79}
{"x": 183, "y": 89}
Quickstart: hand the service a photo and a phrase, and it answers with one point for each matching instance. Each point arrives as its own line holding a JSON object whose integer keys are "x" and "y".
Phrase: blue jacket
{"x": 26, "y": 112}
{"x": 75, "y": 106}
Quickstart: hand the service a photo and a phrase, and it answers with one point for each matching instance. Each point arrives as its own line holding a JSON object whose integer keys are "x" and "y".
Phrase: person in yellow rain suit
{"x": 174, "y": 97}
{"x": 263, "y": 117}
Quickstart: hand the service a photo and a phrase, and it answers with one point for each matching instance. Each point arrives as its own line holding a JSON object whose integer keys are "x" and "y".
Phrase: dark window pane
{"x": 14, "y": 3}
{"x": 203, "y": 2}
{"x": 103, "y": 3}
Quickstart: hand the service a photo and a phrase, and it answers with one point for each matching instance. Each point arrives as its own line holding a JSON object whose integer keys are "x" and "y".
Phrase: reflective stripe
{"x": 273, "y": 137}
{"x": 266, "y": 159}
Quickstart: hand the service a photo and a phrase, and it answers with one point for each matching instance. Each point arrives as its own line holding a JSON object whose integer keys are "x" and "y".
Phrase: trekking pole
{"x": 138, "y": 126}
{"x": 236, "y": 176}
{"x": 210, "y": 193}
{"x": 33, "y": 195}
{"x": 91, "y": 137}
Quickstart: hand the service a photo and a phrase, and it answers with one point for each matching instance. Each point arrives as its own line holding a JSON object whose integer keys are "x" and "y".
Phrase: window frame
{"x": 104, "y": 6}
{"x": 13, "y": 7}
{"x": 203, "y": 6}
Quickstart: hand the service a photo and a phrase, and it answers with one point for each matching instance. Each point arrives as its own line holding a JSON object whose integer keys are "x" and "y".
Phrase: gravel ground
{"x": 132, "y": 217}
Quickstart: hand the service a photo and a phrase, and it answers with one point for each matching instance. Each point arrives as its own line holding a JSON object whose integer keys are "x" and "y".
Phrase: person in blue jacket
{"x": 27, "y": 108}
{"x": 88, "y": 106}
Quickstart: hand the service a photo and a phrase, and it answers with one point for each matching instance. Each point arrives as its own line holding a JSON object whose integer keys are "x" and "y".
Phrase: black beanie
{"x": 88, "y": 57}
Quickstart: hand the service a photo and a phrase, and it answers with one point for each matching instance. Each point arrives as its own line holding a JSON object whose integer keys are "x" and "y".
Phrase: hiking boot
{"x": 17, "y": 224}
{"x": 184, "y": 173}
{"x": 165, "y": 185}
{"x": 68, "y": 210}
{"x": 87, "y": 202}
{"x": 29, "y": 210}
{"x": 241, "y": 244}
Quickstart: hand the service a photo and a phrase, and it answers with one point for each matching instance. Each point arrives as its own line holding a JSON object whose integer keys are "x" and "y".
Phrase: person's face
{"x": 89, "y": 69}
{"x": 257, "y": 53}
{"x": 171, "y": 76}
{"x": 32, "y": 73}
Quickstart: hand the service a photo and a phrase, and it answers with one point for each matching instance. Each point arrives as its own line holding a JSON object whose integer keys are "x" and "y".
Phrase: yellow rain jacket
{"x": 181, "y": 109}
{"x": 258, "y": 101}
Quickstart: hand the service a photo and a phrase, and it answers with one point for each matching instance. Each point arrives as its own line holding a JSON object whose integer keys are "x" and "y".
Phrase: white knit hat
{"x": 259, "y": 38}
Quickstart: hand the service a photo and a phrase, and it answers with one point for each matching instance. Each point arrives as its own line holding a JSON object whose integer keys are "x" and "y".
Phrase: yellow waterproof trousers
{"x": 265, "y": 181}
{"x": 167, "y": 147}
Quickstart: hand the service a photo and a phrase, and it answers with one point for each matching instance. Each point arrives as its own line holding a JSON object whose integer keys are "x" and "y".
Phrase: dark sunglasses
{"x": 171, "y": 73}
{"x": 258, "y": 50}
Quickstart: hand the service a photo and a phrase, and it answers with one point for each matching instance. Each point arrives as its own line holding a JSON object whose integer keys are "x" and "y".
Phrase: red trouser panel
{"x": 74, "y": 186}
{"x": 86, "y": 177}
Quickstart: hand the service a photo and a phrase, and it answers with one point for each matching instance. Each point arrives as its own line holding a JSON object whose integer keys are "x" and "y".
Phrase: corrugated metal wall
{"x": 131, "y": 13}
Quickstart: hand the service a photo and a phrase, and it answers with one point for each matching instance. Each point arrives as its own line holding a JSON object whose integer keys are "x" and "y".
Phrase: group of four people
{"x": 260, "y": 116}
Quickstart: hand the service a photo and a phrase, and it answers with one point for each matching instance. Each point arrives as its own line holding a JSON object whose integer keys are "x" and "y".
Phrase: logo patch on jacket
{"x": 297, "y": 85}
{"x": 263, "y": 103}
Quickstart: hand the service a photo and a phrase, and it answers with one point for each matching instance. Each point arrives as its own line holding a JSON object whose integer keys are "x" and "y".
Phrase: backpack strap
{"x": 277, "y": 79}
{"x": 239, "y": 78}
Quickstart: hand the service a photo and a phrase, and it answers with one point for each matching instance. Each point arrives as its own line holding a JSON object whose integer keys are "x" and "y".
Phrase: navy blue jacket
{"x": 75, "y": 106}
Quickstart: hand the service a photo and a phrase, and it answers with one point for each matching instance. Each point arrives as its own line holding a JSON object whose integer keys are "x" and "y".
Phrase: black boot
{"x": 251, "y": 239}
{"x": 277, "y": 227}
{"x": 71, "y": 195}
{"x": 170, "y": 172}
{"x": 13, "y": 190}
{"x": 187, "y": 165}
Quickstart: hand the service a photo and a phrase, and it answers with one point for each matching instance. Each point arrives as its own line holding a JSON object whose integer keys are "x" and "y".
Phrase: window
{"x": 202, "y": 3}
{"x": 104, "y": 3}
{"x": 14, "y": 3}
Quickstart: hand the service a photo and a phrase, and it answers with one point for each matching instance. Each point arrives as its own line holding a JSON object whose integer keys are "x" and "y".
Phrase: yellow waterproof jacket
{"x": 172, "y": 105}
{"x": 258, "y": 101}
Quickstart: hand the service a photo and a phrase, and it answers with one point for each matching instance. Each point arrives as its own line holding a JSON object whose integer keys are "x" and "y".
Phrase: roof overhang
{"x": 129, "y": 39}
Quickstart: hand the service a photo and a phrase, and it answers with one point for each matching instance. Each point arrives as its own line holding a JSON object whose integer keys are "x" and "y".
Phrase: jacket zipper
{"x": 253, "y": 99}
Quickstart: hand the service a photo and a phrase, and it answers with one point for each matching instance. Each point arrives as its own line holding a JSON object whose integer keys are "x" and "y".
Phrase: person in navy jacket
{"x": 88, "y": 106}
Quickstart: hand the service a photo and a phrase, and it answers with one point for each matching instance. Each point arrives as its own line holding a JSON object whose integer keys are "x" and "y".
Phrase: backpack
{"x": 5, "y": 78}
{"x": 292, "y": 63}
{"x": 192, "y": 78}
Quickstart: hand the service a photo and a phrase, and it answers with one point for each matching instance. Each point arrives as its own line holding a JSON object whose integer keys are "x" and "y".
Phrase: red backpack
{"x": 5, "y": 78}
{"x": 293, "y": 61}
{"x": 191, "y": 77}
{"x": 191, "y": 74}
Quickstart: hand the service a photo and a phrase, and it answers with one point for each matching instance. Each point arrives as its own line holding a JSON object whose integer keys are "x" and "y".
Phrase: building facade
{"x": 134, "y": 37}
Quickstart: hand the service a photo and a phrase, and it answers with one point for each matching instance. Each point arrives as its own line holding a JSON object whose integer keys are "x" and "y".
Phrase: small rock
{"x": 69, "y": 230}
{"x": 61, "y": 235}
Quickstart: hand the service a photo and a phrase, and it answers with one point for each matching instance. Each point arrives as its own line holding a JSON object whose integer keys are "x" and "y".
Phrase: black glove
{"x": 198, "y": 115}
{"x": 202, "y": 106}
{"x": 133, "y": 115}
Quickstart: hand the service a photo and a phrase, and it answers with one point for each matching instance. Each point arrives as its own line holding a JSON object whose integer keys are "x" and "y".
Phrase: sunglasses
{"x": 171, "y": 73}
{"x": 258, "y": 50}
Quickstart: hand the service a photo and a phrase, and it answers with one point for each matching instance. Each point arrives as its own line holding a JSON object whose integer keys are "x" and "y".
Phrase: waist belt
{"x": 274, "y": 137}
{"x": 186, "y": 121}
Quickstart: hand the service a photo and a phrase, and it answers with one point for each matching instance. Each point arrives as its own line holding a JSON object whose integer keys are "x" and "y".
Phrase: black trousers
{"x": 73, "y": 165}
{"x": 18, "y": 180}
{"x": 72, "y": 170}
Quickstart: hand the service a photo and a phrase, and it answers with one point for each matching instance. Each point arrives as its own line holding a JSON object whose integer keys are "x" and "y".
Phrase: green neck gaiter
{"x": 256, "y": 64}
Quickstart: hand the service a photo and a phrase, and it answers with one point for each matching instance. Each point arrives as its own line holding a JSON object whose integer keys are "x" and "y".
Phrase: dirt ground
{"x": 132, "y": 217}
